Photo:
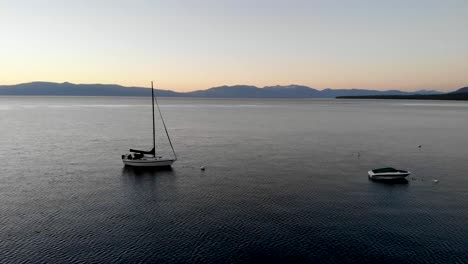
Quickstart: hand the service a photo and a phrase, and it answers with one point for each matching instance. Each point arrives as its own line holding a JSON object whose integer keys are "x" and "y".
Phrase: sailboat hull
{"x": 148, "y": 162}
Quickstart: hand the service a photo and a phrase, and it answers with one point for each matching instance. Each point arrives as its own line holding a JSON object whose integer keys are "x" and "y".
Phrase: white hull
{"x": 387, "y": 175}
{"x": 148, "y": 162}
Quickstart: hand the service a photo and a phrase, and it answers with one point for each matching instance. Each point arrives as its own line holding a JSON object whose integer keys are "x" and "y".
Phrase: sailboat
{"x": 141, "y": 158}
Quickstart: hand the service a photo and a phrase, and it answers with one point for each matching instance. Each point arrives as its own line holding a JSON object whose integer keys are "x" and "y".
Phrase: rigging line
{"x": 165, "y": 128}
{"x": 154, "y": 135}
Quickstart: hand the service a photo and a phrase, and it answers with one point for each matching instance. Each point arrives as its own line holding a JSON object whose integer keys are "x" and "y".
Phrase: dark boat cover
{"x": 143, "y": 151}
{"x": 383, "y": 170}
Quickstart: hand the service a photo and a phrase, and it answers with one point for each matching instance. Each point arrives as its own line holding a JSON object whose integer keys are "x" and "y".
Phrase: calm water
{"x": 286, "y": 181}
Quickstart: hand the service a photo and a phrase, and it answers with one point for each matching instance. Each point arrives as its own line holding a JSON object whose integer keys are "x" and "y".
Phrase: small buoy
{"x": 202, "y": 168}
{"x": 435, "y": 181}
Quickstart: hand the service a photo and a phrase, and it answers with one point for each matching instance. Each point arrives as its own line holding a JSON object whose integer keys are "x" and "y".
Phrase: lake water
{"x": 285, "y": 181}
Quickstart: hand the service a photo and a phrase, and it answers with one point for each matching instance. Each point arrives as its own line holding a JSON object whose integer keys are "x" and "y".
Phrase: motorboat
{"x": 387, "y": 173}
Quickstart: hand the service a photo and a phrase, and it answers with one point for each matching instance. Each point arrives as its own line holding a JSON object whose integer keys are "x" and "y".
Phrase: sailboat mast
{"x": 154, "y": 132}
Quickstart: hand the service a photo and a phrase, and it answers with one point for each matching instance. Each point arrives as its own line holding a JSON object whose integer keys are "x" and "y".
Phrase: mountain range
{"x": 236, "y": 91}
{"x": 459, "y": 95}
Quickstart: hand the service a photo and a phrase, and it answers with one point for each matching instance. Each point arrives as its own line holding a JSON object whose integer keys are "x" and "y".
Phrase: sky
{"x": 191, "y": 45}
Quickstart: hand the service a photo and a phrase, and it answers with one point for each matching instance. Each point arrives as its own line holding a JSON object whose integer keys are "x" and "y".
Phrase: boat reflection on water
{"x": 390, "y": 182}
{"x": 139, "y": 174}
{"x": 148, "y": 171}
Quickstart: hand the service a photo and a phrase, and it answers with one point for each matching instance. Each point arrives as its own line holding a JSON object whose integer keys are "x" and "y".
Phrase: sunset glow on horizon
{"x": 192, "y": 45}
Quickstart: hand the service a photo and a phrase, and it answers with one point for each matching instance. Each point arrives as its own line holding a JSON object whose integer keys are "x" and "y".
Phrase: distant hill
{"x": 247, "y": 91}
{"x": 237, "y": 91}
{"x": 460, "y": 95}
{"x": 70, "y": 89}
{"x": 359, "y": 92}
{"x": 289, "y": 91}
{"x": 461, "y": 90}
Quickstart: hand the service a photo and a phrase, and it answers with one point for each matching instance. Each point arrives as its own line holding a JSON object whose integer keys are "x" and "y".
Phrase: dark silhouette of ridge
{"x": 70, "y": 89}
{"x": 289, "y": 91}
{"x": 461, "y": 90}
{"x": 236, "y": 91}
{"x": 458, "y": 95}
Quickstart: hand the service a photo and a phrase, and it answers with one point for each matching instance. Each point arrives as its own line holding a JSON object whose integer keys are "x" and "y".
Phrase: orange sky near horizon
{"x": 193, "y": 45}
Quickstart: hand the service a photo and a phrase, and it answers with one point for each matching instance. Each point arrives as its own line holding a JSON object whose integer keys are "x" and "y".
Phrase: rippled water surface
{"x": 285, "y": 181}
